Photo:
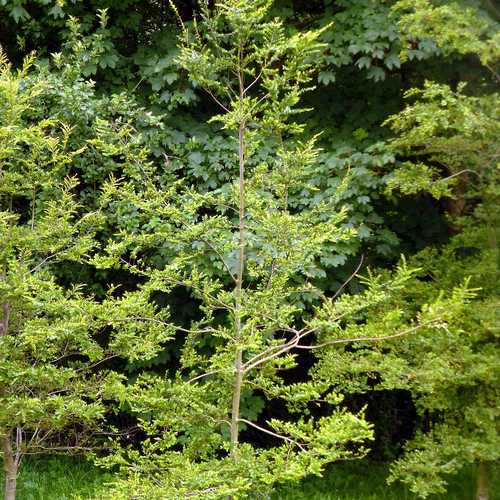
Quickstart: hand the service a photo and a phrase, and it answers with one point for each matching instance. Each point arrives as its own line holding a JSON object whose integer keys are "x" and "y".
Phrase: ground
{"x": 75, "y": 479}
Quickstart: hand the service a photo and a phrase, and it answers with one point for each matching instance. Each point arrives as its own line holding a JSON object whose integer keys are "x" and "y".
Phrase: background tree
{"x": 452, "y": 376}
{"x": 52, "y": 339}
{"x": 458, "y": 131}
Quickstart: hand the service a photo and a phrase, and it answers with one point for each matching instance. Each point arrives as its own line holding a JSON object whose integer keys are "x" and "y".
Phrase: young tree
{"x": 52, "y": 398}
{"x": 252, "y": 321}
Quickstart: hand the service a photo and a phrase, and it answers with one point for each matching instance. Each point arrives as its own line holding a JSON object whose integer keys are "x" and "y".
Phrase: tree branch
{"x": 257, "y": 78}
{"x": 203, "y": 375}
{"x": 351, "y": 277}
{"x": 269, "y": 354}
{"x": 52, "y": 256}
{"x": 271, "y": 433}
{"x": 209, "y": 92}
{"x": 220, "y": 257}
{"x": 366, "y": 339}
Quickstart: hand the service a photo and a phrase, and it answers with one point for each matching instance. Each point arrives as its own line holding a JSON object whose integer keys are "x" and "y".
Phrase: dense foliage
{"x": 203, "y": 211}
{"x": 53, "y": 337}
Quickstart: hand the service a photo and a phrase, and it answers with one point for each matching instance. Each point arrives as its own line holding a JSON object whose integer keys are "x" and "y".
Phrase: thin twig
{"x": 38, "y": 266}
{"x": 97, "y": 363}
{"x": 351, "y": 277}
{"x": 164, "y": 323}
{"x": 221, "y": 257}
{"x": 465, "y": 170}
{"x": 257, "y": 78}
{"x": 493, "y": 72}
{"x": 269, "y": 354}
{"x": 216, "y": 100}
{"x": 209, "y": 329}
{"x": 265, "y": 96}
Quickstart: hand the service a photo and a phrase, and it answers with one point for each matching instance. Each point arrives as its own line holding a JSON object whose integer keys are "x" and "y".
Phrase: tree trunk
{"x": 235, "y": 411}
{"x": 238, "y": 376}
{"x": 10, "y": 465}
{"x": 10, "y": 462}
{"x": 456, "y": 205}
{"x": 4, "y": 323}
{"x": 482, "y": 487}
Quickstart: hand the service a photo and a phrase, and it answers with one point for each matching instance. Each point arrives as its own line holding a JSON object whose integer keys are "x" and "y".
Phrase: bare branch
{"x": 164, "y": 323}
{"x": 209, "y": 92}
{"x": 367, "y": 339}
{"x": 271, "y": 433}
{"x": 269, "y": 354}
{"x": 97, "y": 363}
{"x": 493, "y": 72}
{"x": 203, "y": 375}
{"x": 52, "y": 256}
{"x": 464, "y": 171}
{"x": 221, "y": 257}
{"x": 265, "y": 96}
{"x": 257, "y": 78}
{"x": 196, "y": 332}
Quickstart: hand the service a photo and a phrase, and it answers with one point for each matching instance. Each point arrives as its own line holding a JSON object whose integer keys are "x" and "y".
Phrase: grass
{"x": 366, "y": 481}
{"x": 60, "y": 478}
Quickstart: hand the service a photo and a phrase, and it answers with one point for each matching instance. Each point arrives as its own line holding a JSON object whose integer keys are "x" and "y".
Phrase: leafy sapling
{"x": 252, "y": 330}
{"x": 53, "y": 397}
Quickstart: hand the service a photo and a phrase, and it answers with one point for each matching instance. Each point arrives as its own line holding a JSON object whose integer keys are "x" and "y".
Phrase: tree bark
{"x": 456, "y": 205}
{"x": 10, "y": 465}
{"x": 238, "y": 361}
{"x": 10, "y": 462}
{"x": 482, "y": 485}
{"x": 4, "y": 324}
{"x": 235, "y": 411}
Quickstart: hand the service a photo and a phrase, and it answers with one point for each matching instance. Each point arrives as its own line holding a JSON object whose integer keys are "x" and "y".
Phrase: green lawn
{"x": 57, "y": 478}
{"x": 65, "y": 479}
{"x": 366, "y": 481}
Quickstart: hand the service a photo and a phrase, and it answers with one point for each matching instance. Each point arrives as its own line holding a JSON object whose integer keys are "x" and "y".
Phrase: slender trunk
{"x": 455, "y": 206}
{"x": 10, "y": 465}
{"x": 235, "y": 412}
{"x": 482, "y": 486}
{"x": 10, "y": 462}
{"x": 238, "y": 375}
{"x": 4, "y": 322}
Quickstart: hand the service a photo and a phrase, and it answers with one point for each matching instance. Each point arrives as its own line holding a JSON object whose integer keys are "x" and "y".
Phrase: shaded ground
{"x": 72, "y": 479}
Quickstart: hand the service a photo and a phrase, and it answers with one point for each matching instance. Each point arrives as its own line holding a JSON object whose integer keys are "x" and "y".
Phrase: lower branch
{"x": 367, "y": 339}
{"x": 271, "y": 433}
